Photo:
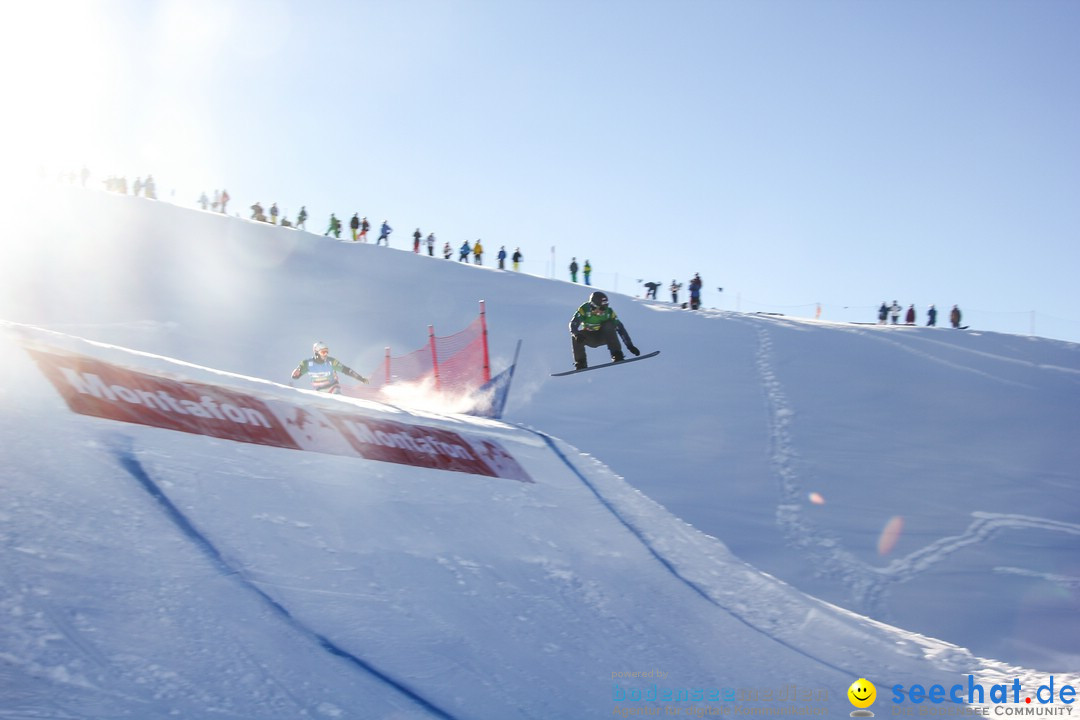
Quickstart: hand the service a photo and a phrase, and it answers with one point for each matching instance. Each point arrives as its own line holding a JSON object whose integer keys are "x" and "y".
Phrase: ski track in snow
{"x": 127, "y": 460}
{"x": 868, "y": 586}
{"x": 880, "y": 337}
{"x": 829, "y": 558}
{"x": 149, "y": 326}
{"x": 947, "y": 363}
{"x": 1067, "y": 582}
{"x": 980, "y": 353}
{"x": 985, "y": 526}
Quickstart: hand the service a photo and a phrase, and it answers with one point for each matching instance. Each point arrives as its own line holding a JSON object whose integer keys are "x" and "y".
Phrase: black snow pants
{"x": 606, "y": 335}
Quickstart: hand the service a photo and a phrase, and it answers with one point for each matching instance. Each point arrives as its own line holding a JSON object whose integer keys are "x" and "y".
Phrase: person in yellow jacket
{"x": 477, "y": 253}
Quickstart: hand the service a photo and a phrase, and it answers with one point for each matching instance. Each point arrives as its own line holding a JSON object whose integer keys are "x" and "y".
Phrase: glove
{"x": 634, "y": 350}
{"x": 363, "y": 380}
{"x": 296, "y": 374}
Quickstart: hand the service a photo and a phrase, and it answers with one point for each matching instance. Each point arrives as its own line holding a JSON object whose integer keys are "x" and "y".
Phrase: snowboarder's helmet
{"x": 318, "y": 348}
{"x": 598, "y": 299}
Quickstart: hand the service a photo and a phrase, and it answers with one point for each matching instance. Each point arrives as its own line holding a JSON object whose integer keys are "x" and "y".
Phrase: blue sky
{"x": 793, "y": 153}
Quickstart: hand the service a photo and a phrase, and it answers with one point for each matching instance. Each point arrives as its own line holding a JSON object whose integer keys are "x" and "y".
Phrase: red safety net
{"x": 461, "y": 359}
{"x": 414, "y": 367}
{"x": 454, "y": 364}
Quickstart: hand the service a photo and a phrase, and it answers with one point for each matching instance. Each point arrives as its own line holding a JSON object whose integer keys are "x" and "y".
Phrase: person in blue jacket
{"x": 324, "y": 370}
{"x": 384, "y": 233}
{"x": 695, "y": 292}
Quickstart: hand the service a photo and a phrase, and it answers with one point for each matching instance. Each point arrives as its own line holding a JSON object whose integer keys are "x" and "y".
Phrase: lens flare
{"x": 890, "y": 535}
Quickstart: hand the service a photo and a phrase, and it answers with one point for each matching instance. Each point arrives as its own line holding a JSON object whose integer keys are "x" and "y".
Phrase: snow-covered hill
{"x": 151, "y": 573}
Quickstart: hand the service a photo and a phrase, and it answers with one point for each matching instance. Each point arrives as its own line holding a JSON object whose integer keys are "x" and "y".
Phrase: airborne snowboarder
{"x": 595, "y": 324}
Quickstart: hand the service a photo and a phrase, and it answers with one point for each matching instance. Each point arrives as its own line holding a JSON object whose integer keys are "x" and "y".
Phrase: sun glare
{"x": 119, "y": 88}
{"x": 59, "y": 60}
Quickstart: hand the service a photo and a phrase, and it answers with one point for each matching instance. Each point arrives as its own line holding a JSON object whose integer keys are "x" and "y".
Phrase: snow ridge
{"x": 670, "y": 566}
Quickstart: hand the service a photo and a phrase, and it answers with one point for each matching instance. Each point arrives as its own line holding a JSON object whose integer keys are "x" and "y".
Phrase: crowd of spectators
{"x": 359, "y": 226}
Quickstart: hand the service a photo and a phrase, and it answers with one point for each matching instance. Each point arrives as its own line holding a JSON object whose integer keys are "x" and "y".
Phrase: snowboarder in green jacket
{"x": 324, "y": 370}
{"x": 595, "y": 324}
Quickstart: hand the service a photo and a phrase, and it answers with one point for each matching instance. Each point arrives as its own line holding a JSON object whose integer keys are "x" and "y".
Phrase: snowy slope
{"x": 151, "y": 572}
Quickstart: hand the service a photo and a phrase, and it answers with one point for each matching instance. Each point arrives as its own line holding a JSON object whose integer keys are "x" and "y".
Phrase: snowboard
{"x": 646, "y": 356}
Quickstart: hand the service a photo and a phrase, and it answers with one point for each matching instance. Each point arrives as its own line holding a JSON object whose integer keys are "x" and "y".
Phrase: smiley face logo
{"x": 862, "y": 693}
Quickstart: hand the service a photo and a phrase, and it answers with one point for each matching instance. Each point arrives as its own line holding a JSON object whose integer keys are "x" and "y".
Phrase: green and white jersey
{"x": 589, "y": 317}
{"x": 323, "y": 372}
